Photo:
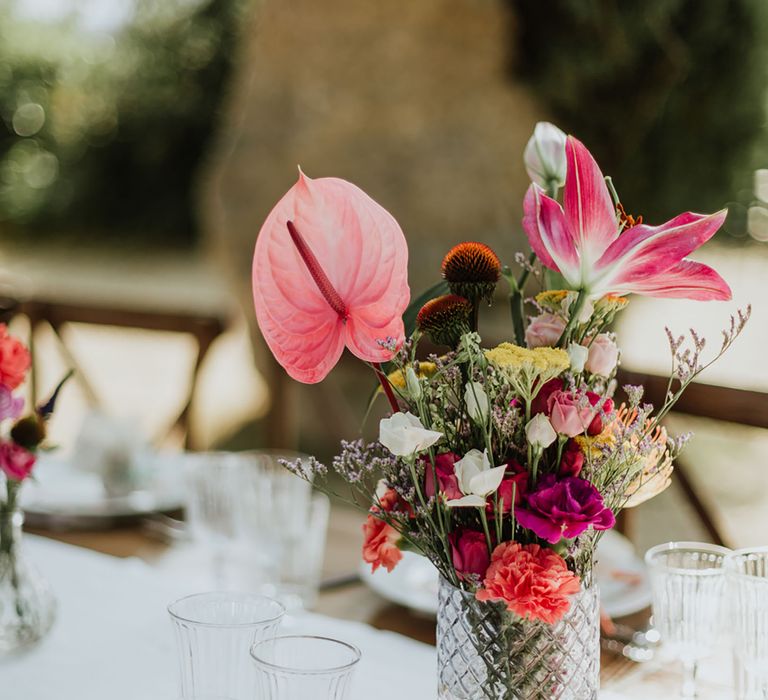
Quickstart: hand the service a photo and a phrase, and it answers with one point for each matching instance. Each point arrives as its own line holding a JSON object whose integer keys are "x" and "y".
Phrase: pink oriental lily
{"x": 329, "y": 270}
{"x": 583, "y": 240}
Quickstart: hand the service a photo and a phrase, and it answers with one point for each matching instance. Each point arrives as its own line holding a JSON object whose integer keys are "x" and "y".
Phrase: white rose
{"x": 477, "y": 402}
{"x": 540, "y": 432}
{"x": 404, "y": 435}
{"x": 603, "y": 355}
{"x": 544, "y": 331}
{"x": 544, "y": 156}
{"x": 477, "y": 480}
{"x": 578, "y": 356}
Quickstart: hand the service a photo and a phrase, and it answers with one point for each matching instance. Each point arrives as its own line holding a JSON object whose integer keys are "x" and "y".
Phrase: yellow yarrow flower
{"x": 397, "y": 378}
{"x": 552, "y": 299}
{"x": 525, "y": 367}
{"x": 595, "y": 446}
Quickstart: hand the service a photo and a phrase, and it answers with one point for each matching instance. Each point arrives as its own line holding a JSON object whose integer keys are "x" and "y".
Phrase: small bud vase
{"x": 27, "y": 604}
{"x": 485, "y": 652}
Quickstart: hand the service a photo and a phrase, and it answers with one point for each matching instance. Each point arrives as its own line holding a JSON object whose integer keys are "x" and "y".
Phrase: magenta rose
{"x": 470, "y": 553}
{"x": 570, "y": 413}
{"x": 572, "y": 460}
{"x": 596, "y": 426}
{"x": 447, "y": 482}
{"x": 539, "y": 403}
{"x": 565, "y": 507}
{"x": 15, "y": 461}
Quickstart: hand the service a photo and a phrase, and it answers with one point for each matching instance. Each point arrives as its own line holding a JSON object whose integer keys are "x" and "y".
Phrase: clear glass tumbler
{"x": 747, "y": 580}
{"x": 214, "y": 632}
{"x": 304, "y": 667}
{"x": 263, "y": 528}
{"x": 687, "y": 581}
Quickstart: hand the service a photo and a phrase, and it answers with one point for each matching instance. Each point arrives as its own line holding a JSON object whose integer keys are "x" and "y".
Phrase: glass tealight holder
{"x": 214, "y": 632}
{"x": 304, "y": 667}
{"x": 747, "y": 582}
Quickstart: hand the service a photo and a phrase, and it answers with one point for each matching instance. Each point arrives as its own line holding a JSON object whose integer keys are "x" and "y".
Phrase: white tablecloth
{"x": 112, "y": 639}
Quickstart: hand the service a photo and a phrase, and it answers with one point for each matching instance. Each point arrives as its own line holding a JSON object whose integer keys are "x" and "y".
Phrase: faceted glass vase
{"x": 27, "y": 604}
{"x": 485, "y": 652}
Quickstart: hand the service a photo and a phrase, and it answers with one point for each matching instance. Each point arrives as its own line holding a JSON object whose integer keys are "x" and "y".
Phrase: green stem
{"x": 484, "y": 520}
{"x": 573, "y": 318}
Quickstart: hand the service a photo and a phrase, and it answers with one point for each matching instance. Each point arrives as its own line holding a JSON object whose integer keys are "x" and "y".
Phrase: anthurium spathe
{"x": 595, "y": 252}
{"x": 329, "y": 270}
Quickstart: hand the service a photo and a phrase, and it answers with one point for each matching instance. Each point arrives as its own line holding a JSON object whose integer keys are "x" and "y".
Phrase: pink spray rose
{"x": 603, "y": 355}
{"x": 470, "y": 553}
{"x": 14, "y": 359}
{"x": 565, "y": 507}
{"x": 533, "y": 581}
{"x": 15, "y": 461}
{"x": 540, "y": 401}
{"x": 447, "y": 481}
{"x": 544, "y": 330}
{"x": 570, "y": 413}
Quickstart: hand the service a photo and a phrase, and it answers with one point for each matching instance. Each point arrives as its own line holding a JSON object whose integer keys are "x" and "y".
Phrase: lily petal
{"x": 686, "y": 280}
{"x": 545, "y": 226}
{"x": 589, "y": 210}
{"x": 644, "y": 251}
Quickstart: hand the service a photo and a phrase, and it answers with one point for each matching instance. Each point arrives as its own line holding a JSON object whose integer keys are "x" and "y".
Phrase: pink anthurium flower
{"x": 585, "y": 241}
{"x": 329, "y": 270}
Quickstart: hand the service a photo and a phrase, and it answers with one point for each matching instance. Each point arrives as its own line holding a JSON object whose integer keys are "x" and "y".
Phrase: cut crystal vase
{"x": 485, "y": 652}
{"x": 27, "y": 605}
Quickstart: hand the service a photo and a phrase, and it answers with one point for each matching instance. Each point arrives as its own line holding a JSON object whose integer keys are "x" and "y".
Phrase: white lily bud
{"x": 413, "y": 384}
{"x": 544, "y": 156}
{"x": 477, "y": 402}
{"x": 540, "y": 432}
{"x": 578, "y": 354}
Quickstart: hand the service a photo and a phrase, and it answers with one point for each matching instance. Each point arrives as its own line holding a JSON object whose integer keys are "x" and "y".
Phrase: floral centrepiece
{"x": 502, "y": 464}
{"x": 26, "y": 602}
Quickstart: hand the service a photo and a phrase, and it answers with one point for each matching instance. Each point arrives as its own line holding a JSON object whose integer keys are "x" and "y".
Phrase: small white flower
{"x": 544, "y": 156}
{"x": 477, "y": 480}
{"x": 413, "y": 384}
{"x": 540, "y": 432}
{"x": 578, "y": 354}
{"x": 477, "y": 402}
{"x": 404, "y": 435}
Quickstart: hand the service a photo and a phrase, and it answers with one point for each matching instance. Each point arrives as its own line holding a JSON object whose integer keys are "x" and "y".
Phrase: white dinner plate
{"x": 621, "y": 576}
{"x": 60, "y": 496}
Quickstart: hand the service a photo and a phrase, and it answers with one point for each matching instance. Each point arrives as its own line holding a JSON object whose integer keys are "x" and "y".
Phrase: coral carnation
{"x": 380, "y": 544}
{"x": 531, "y": 581}
{"x": 14, "y": 359}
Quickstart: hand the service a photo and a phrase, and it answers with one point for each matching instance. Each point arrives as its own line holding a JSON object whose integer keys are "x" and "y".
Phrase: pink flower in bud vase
{"x": 595, "y": 251}
{"x": 470, "y": 553}
{"x": 15, "y": 359}
{"x": 16, "y": 462}
{"x": 565, "y": 507}
{"x": 10, "y": 406}
{"x": 532, "y": 581}
{"x": 544, "y": 330}
{"x": 568, "y": 413}
{"x": 329, "y": 271}
{"x": 447, "y": 481}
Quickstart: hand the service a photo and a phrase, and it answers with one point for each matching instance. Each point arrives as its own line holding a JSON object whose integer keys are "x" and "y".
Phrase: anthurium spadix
{"x": 595, "y": 252}
{"x": 329, "y": 270}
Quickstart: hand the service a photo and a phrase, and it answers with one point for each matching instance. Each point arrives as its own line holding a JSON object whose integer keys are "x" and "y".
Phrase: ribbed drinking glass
{"x": 304, "y": 667}
{"x": 747, "y": 580}
{"x": 688, "y": 580}
{"x": 214, "y": 632}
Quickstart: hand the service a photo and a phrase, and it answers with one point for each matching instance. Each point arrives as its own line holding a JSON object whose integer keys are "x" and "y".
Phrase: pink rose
{"x": 14, "y": 359}
{"x": 470, "y": 553}
{"x": 15, "y": 461}
{"x": 447, "y": 482}
{"x": 572, "y": 460}
{"x": 539, "y": 403}
{"x": 603, "y": 356}
{"x": 544, "y": 330}
{"x": 532, "y": 581}
{"x": 568, "y": 413}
